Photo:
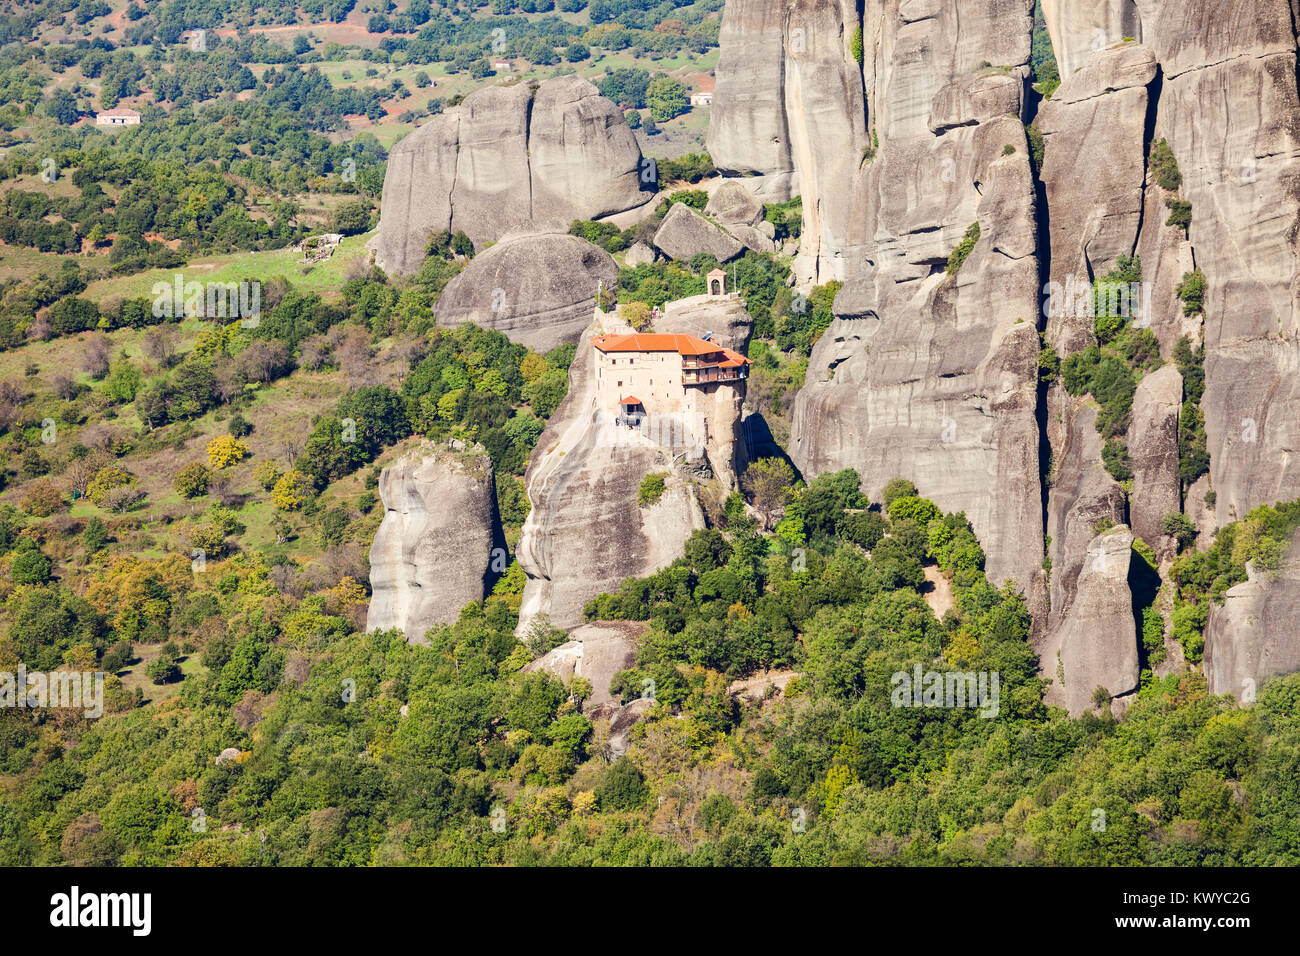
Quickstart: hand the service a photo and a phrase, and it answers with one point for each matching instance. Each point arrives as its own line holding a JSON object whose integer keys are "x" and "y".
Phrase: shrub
{"x": 652, "y": 488}
{"x": 897, "y": 488}
{"x": 920, "y": 510}
{"x": 1192, "y": 291}
{"x": 226, "y": 450}
{"x": 106, "y": 479}
{"x": 124, "y": 498}
{"x": 963, "y": 249}
{"x": 164, "y": 669}
{"x": 239, "y": 426}
{"x": 291, "y": 490}
{"x": 623, "y": 787}
{"x": 1114, "y": 454}
{"x": 1180, "y": 213}
{"x": 42, "y": 499}
{"x": 1164, "y": 167}
{"x": 95, "y": 536}
{"x": 31, "y": 567}
{"x": 267, "y": 474}
{"x": 1180, "y": 527}
{"x": 192, "y": 481}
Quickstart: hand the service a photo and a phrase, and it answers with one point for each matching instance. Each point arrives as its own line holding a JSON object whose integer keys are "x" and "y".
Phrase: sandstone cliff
{"x": 586, "y": 531}
{"x": 1097, "y": 647}
{"x": 1256, "y": 633}
{"x": 432, "y": 554}
{"x": 538, "y": 290}
{"x": 1228, "y": 106}
{"x": 923, "y": 374}
{"x": 524, "y": 157}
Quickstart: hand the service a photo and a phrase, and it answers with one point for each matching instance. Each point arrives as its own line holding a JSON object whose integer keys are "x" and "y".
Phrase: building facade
{"x": 679, "y": 391}
{"x": 119, "y": 116}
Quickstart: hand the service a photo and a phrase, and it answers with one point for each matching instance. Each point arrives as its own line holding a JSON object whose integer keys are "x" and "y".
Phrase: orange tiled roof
{"x": 631, "y": 400}
{"x": 677, "y": 342}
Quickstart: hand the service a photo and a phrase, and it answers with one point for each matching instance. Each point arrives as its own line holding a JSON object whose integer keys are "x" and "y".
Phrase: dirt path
{"x": 939, "y": 593}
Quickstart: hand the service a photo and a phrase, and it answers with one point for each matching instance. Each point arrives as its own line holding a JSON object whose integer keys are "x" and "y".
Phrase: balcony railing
{"x": 700, "y": 363}
{"x": 715, "y": 374}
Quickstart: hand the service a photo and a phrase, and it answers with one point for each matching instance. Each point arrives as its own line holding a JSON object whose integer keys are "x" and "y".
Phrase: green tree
{"x": 666, "y": 98}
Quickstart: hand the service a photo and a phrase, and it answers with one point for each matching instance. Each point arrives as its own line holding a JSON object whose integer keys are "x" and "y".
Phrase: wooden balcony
{"x": 712, "y": 373}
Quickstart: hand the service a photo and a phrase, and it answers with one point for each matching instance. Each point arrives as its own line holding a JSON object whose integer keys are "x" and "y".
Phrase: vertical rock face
{"x": 789, "y": 106}
{"x": 1083, "y": 496}
{"x": 1094, "y": 173}
{"x": 1080, "y": 28}
{"x": 1097, "y": 647}
{"x": 1218, "y": 83}
{"x": 1153, "y": 448}
{"x": 747, "y": 136}
{"x": 433, "y": 550}
{"x": 925, "y": 375}
{"x": 1255, "y": 634}
{"x": 1229, "y": 108}
{"x": 586, "y": 532}
{"x": 538, "y": 290}
{"x": 527, "y": 157}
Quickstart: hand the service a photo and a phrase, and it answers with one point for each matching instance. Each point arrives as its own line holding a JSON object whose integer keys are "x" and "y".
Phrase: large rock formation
{"x": 1153, "y": 448}
{"x": 1094, "y": 173}
{"x": 539, "y": 290}
{"x": 1255, "y": 634}
{"x": 925, "y": 375}
{"x": 685, "y": 233}
{"x": 525, "y": 157}
{"x": 432, "y": 554}
{"x": 1098, "y": 645}
{"x": 790, "y": 106}
{"x": 586, "y": 531}
{"x": 1228, "y": 106}
{"x": 1218, "y": 83}
{"x": 747, "y": 127}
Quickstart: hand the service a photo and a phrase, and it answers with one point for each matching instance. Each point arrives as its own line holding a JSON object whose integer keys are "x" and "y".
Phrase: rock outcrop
{"x": 733, "y": 205}
{"x": 586, "y": 532}
{"x": 1255, "y": 635}
{"x": 724, "y": 317}
{"x": 1229, "y": 109}
{"x": 748, "y": 134}
{"x": 1153, "y": 449}
{"x": 595, "y": 652}
{"x": 539, "y": 290}
{"x": 1097, "y": 647}
{"x": 432, "y": 554}
{"x": 685, "y": 233}
{"x": 526, "y": 157}
{"x": 1094, "y": 174}
{"x": 639, "y": 254}
{"x": 790, "y": 106}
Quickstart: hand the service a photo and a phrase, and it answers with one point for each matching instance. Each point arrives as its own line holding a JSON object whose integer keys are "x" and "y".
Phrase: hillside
{"x": 588, "y": 432}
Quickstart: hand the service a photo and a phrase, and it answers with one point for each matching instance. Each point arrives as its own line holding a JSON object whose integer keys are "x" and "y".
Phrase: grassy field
{"x": 322, "y": 277}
